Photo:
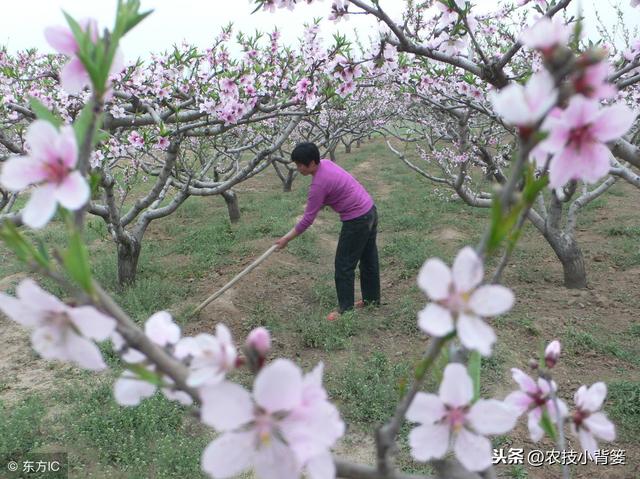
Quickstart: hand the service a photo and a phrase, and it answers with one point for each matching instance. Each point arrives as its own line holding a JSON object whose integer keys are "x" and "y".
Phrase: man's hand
{"x": 282, "y": 242}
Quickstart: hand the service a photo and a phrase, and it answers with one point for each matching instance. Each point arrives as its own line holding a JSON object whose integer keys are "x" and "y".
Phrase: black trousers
{"x": 357, "y": 243}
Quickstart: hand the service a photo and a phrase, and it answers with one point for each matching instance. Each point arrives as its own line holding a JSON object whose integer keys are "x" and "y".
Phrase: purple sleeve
{"x": 315, "y": 201}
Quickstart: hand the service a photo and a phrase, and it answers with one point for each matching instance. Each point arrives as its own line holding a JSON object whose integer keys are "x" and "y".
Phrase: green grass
{"x": 318, "y": 333}
{"x": 367, "y": 389}
{"x": 580, "y": 342}
{"x": 155, "y": 436}
{"x": 19, "y": 427}
{"x": 623, "y": 406}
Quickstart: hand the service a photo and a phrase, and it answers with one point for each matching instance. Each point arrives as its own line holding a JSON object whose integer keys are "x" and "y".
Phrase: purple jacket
{"x": 332, "y": 186}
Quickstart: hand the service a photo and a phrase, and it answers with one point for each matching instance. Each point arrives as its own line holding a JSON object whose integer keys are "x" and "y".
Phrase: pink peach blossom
{"x": 259, "y": 340}
{"x": 49, "y": 165}
{"x": 59, "y": 331}
{"x": 577, "y": 139}
{"x": 275, "y": 432}
{"x": 552, "y": 353}
{"x": 211, "y": 357}
{"x": 450, "y": 420}
{"x": 525, "y": 105}
{"x": 592, "y": 82}
{"x": 129, "y": 389}
{"x": 534, "y": 398}
{"x": 459, "y": 303}
{"x": 161, "y": 329}
{"x": 74, "y": 76}
{"x": 588, "y": 422}
{"x": 545, "y": 35}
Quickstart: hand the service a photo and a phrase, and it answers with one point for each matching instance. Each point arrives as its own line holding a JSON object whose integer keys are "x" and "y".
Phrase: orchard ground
{"x": 368, "y": 355}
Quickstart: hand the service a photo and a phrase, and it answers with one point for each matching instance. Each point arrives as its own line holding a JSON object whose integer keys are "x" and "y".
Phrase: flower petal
{"x": 434, "y": 279}
{"x": 19, "y": 312}
{"x": 526, "y": 382}
{"x": 613, "y": 122}
{"x": 73, "y": 193}
{"x": 467, "y": 270}
{"x": 73, "y": 76}
{"x": 519, "y": 400}
{"x": 490, "y": 416}
{"x": 40, "y": 208}
{"x": 18, "y": 172}
{"x": 435, "y": 320}
{"x": 456, "y": 388}
{"x": 128, "y": 390}
{"x": 61, "y": 39}
{"x": 475, "y": 334}
{"x": 276, "y": 461}
{"x": 91, "y": 322}
{"x": 587, "y": 441}
{"x": 84, "y": 352}
{"x": 593, "y": 397}
{"x": 429, "y": 441}
{"x": 473, "y": 451}
{"x": 229, "y": 454}
{"x": 321, "y": 467}
{"x": 491, "y": 300}
{"x": 426, "y": 409}
{"x": 161, "y": 329}
{"x": 177, "y": 395}
{"x": 42, "y": 137}
{"x": 600, "y": 426}
{"x": 533, "y": 423}
{"x": 226, "y": 406}
{"x": 278, "y": 386}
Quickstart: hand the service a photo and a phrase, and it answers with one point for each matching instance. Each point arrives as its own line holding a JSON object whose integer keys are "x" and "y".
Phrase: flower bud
{"x": 533, "y": 364}
{"x": 552, "y": 353}
{"x": 259, "y": 340}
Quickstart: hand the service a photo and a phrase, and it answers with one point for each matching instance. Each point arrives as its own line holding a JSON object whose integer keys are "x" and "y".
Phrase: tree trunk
{"x": 128, "y": 255}
{"x": 332, "y": 154}
{"x": 347, "y": 148}
{"x": 570, "y": 255}
{"x": 232, "y": 205}
{"x": 288, "y": 183}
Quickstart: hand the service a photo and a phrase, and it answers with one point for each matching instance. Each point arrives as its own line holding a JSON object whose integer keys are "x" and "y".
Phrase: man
{"x": 332, "y": 186}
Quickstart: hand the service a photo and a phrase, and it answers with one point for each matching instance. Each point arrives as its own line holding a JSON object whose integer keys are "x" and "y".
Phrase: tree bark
{"x": 570, "y": 255}
{"x": 332, "y": 154}
{"x": 128, "y": 255}
{"x": 233, "y": 207}
{"x": 347, "y": 148}
{"x": 288, "y": 183}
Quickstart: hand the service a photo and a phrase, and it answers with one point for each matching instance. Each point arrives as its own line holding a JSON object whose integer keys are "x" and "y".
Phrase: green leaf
{"x": 43, "y": 113}
{"x": 24, "y": 250}
{"x": 101, "y": 136}
{"x": 547, "y": 425}
{"x": 82, "y": 122}
{"x": 144, "y": 374}
{"x": 14, "y": 241}
{"x": 473, "y": 368}
{"x": 94, "y": 183}
{"x": 76, "y": 261}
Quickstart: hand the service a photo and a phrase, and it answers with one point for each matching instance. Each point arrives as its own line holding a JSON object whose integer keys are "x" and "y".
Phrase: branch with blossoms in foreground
{"x": 287, "y": 426}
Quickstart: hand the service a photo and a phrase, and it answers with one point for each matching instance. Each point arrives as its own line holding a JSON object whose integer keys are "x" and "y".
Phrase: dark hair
{"x": 305, "y": 153}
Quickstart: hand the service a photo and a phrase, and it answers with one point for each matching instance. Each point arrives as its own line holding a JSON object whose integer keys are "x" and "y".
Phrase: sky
{"x": 23, "y": 21}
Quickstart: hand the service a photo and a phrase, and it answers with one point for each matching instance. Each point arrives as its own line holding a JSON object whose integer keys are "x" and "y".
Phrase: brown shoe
{"x": 359, "y": 304}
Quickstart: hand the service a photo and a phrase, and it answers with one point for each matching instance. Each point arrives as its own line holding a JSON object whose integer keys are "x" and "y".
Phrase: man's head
{"x": 306, "y": 156}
